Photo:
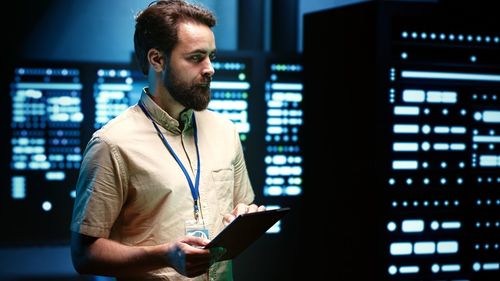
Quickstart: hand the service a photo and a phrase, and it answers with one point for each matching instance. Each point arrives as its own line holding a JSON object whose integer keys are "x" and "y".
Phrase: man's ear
{"x": 156, "y": 59}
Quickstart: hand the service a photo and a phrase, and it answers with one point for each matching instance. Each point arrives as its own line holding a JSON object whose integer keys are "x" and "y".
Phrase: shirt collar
{"x": 162, "y": 118}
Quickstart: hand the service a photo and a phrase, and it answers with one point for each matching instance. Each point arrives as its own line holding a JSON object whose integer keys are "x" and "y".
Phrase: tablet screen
{"x": 244, "y": 230}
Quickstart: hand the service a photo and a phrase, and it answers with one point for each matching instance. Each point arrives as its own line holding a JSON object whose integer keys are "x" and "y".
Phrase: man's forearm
{"x": 109, "y": 258}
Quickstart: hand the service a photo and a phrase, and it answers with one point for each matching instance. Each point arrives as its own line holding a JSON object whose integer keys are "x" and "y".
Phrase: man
{"x": 165, "y": 166}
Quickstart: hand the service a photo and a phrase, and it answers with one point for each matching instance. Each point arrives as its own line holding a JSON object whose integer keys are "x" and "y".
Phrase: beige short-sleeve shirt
{"x": 131, "y": 190}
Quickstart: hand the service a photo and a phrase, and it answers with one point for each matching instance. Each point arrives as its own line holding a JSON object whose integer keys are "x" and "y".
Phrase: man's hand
{"x": 242, "y": 208}
{"x": 187, "y": 257}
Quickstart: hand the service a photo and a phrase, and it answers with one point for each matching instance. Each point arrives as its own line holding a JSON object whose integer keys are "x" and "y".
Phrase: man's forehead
{"x": 194, "y": 37}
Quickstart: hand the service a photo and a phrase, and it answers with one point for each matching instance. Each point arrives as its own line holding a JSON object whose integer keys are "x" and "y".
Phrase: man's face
{"x": 189, "y": 69}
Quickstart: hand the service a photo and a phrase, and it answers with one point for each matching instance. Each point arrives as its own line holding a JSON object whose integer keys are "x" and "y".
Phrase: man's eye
{"x": 196, "y": 58}
{"x": 212, "y": 56}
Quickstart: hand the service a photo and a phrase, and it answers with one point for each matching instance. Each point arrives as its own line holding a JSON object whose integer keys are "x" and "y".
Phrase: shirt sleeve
{"x": 100, "y": 190}
{"x": 243, "y": 192}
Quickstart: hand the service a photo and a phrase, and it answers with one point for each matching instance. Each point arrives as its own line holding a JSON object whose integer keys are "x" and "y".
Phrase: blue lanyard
{"x": 193, "y": 187}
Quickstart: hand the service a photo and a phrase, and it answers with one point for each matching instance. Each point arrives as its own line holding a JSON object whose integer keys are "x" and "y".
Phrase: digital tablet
{"x": 244, "y": 230}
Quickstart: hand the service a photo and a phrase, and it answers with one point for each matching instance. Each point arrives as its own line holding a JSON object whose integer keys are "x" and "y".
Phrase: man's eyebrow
{"x": 203, "y": 51}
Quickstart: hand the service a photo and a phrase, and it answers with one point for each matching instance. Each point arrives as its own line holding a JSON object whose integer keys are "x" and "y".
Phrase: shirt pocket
{"x": 224, "y": 186}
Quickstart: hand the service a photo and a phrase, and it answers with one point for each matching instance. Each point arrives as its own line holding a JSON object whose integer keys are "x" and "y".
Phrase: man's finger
{"x": 240, "y": 209}
{"x": 228, "y": 218}
{"x": 252, "y": 208}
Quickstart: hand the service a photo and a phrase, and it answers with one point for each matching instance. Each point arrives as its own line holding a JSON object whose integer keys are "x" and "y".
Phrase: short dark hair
{"x": 156, "y": 26}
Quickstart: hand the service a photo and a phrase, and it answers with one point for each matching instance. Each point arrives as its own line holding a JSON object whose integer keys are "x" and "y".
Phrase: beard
{"x": 193, "y": 95}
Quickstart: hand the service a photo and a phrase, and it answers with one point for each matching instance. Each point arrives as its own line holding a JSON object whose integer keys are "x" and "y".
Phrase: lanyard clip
{"x": 196, "y": 210}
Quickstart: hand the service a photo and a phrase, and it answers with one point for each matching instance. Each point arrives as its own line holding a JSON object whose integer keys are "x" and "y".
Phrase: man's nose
{"x": 208, "y": 69}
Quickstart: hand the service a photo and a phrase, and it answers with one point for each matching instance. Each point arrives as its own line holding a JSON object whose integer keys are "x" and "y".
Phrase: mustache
{"x": 206, "y": 79}
{"x": 205, "y": 82}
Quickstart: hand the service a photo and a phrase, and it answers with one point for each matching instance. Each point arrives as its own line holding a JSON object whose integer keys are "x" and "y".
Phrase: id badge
{"x": 196, "y": 228}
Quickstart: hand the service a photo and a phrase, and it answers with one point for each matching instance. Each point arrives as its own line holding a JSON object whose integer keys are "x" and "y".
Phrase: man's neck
{"x": 166, "y": 102}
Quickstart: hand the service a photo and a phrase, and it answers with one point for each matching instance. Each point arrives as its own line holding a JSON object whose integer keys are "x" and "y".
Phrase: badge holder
{"x": 196, "y": 228}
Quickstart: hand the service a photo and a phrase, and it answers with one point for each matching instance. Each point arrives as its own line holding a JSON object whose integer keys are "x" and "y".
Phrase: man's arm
{"x": 101, "y": 256}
